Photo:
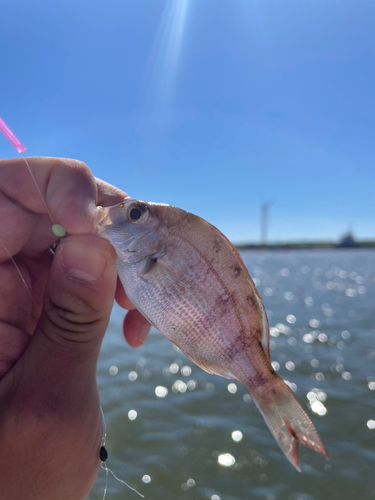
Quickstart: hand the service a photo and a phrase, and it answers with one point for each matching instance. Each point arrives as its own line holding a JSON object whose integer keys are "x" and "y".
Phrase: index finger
{"x": 67, "y": 187}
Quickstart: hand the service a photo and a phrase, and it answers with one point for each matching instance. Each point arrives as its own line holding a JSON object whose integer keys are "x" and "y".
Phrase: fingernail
{"x": 143, "y": 332}
{"x": 90, "y": 210}
{"x": 82, "y": 262}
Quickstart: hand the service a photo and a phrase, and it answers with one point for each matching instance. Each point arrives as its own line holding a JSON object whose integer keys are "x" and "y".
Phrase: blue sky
{"x": 216, "y": 106}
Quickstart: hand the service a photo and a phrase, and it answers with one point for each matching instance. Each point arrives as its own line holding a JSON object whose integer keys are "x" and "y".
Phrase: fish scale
{"x": 190, "y": 282}
{"x": 194, "y": 311}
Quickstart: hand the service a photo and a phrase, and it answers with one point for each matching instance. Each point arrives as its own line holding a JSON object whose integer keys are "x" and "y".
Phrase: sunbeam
{"x": 163, "y": 66}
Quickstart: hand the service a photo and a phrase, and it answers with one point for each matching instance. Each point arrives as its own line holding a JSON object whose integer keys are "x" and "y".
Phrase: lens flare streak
{"x": 165, "y": 61}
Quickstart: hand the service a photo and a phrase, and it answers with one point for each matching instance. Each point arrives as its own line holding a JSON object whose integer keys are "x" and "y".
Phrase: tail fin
{"x": 287, "y": 421}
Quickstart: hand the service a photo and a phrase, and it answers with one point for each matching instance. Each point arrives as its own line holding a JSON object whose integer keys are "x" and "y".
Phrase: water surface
{"x": 171, "y": 427}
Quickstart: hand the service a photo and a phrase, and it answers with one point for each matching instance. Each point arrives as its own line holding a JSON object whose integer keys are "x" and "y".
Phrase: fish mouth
{"x": 102, "y": 219}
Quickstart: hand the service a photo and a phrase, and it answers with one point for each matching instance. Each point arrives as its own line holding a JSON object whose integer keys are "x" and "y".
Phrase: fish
{"x": 188, "y": 280}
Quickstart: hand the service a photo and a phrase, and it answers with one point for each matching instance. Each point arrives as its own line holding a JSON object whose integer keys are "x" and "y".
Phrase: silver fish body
{"x": 188, "y": 280}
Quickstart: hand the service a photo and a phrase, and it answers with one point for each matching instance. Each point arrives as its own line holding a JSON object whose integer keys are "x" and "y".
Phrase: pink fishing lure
{"x": 11, "y": 137}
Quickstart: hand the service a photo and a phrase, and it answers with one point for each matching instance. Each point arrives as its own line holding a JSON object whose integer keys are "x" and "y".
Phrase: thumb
{"x": 77, "y": 306}
{"x": 50, "y": 419}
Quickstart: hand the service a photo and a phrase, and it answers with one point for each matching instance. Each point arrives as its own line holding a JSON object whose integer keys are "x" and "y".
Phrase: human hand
{"x": 52, "y": 322}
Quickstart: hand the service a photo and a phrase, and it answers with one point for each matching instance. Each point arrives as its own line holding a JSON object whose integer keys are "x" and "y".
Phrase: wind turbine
{"x": 264, "y": 222}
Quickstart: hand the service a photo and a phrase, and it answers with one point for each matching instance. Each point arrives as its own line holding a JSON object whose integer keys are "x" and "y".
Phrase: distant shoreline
{"x": 306, "y": 246}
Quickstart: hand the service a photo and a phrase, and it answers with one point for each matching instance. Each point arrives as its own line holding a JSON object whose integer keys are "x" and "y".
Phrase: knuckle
{"x": 79, "y": 170}
{"x": 76, "y": 165}
{"x": 73, "y": 319}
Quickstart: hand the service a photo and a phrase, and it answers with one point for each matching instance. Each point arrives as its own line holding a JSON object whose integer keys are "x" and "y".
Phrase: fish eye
{"x": 137, "y": 213}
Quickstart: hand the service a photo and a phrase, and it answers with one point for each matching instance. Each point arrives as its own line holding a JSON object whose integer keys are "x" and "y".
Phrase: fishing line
{"x": 37, "y": 187}
{"x": 103, "y": 465}
{"x": 19, "y": 272}
{"x": 57, "y": 229}
{"x": 20, "y": 148}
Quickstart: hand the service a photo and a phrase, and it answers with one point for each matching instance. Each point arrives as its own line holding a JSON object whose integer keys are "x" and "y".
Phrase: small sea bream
{"x": 189, "y": 281}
